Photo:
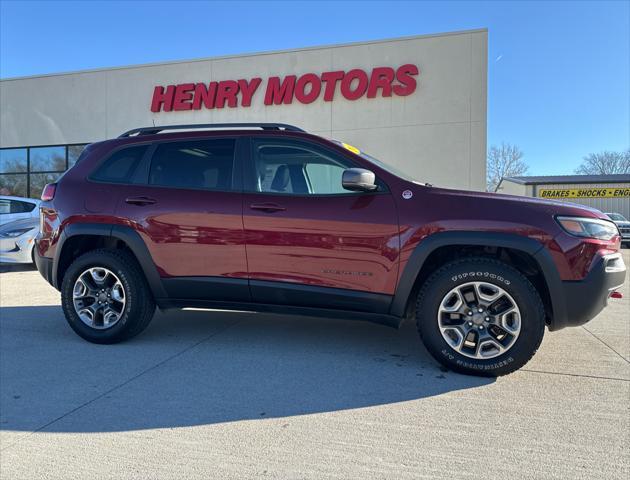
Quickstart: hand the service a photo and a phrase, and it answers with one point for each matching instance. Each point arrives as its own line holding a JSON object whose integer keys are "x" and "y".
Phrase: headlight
{"x": 15, "y": 233}
{"x": 588, "y": 227}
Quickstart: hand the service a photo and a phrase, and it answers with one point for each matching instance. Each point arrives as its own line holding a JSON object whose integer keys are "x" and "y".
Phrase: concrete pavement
{"x": 235, "y": 395}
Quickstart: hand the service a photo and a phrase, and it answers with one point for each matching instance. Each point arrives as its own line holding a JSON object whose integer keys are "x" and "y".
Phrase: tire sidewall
{"x": 509, "y": 279}
{"x": 115, "y": 332}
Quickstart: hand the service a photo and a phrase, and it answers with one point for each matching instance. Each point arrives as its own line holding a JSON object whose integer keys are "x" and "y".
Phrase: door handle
{"x": 140, "y": 201}
{"x": 267, "y": 207}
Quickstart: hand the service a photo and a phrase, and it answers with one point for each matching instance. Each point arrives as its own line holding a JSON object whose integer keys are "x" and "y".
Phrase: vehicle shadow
{"x": 16, "y": 267}
{"x": 194, "y": 368}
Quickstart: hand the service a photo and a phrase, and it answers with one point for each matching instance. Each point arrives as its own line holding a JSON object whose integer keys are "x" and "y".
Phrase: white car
{"x": 17, "y": 208}
{"x": 17, "y": 240}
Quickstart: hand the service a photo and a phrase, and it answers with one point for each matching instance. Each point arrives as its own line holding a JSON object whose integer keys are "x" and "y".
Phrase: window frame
{"x": 250, "y": 175}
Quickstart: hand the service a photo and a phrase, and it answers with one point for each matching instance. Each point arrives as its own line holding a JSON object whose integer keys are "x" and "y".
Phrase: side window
{"x": 120, "y": 166}
{"x": 204, "y": 164}
{"x": 5, "y": 207}
{"x": 15, "y": 206}
{"x": 21, "y": 207}
{"x": 299, "y": 168}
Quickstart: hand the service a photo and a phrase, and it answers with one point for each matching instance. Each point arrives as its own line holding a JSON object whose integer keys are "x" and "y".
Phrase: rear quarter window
{"x": 120, "y": 166}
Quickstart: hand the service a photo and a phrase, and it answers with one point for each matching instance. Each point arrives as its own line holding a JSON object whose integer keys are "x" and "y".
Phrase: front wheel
{"x": 480, "y": 316}
{"x": 105, "y": 296}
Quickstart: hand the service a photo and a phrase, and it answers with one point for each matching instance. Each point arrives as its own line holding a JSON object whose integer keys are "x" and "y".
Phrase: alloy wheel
{"x": 99, "y": 298}
{"x": 479, "y": 320}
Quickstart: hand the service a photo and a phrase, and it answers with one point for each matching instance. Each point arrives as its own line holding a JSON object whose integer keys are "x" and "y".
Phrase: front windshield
{"x": 617, "y": 217}
{"x": 388, "y": 168}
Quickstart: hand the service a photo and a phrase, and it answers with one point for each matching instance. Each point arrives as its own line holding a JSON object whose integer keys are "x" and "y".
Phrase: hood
{"x": 551, "y": 207}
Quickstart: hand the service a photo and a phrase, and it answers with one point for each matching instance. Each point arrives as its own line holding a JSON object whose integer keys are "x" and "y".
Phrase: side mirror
{"x": 358, "y": 180}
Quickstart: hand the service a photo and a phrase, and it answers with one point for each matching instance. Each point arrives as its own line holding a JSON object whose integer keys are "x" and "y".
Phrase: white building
{"x": 418, "y": 103}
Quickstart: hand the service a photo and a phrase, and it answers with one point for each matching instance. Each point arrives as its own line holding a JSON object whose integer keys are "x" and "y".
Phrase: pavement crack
{"x": 575, "y": 375}
{"x": 620, "y": 355}
{"x": 121, "y": 385}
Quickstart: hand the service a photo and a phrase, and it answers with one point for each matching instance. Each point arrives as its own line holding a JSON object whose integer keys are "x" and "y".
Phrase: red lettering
{"x": 381, "y": 81}
{"x": 331, "y": 79}
{"x": 162, "y": 98}
{"x": 227, "y": 90}
{"x": 204, "y": 94}
{"x": 248, "y": 90}
{"x": 408, "y": 83}
{"x": 280, "y": 93}
{"x": 346, "y": 84}
{"x": 183, "y": 96}
{"x": 382, "y": 77}
{"x": 300, "y": 90}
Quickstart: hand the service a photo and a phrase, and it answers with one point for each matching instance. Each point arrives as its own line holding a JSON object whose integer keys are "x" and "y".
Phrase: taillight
{"x": 49, "y": 192}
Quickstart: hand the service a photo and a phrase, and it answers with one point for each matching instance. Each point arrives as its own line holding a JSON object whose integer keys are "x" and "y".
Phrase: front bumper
{"x": 16, "y": 250}
{"x": 584, "y": 299}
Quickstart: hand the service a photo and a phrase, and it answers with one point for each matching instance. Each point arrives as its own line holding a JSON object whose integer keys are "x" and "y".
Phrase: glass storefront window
{"x": 13, "y": 160}
{"x": 24, "y": 171}
{"x": 48, "y": 159}
{"x": 39, "y": 180}
{"x": 14, "y": 184}
{"x": 73, "y": 154}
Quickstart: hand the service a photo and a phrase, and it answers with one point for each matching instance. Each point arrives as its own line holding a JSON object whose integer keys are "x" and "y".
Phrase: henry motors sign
{"x": 353, "y": 84}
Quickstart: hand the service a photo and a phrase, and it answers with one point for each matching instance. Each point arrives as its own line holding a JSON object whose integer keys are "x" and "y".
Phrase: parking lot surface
{"x": 236, "y": 395}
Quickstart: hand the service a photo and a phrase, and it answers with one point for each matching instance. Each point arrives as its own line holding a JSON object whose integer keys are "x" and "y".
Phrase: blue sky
{"x": 558, "y": 72}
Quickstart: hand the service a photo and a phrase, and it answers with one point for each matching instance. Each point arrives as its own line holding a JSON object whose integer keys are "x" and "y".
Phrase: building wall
{"x": 617, "y": 205}
{"x": 437, "y": 134}
{"x": 511, "y": 188}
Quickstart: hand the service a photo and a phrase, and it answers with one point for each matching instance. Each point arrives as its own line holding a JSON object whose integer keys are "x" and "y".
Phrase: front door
{"x": 188, "y": 209}
{"x": 309, "y": 241}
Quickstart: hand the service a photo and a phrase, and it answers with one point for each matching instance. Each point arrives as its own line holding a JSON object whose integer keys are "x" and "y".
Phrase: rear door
{"x": 186, "y": 203}
{"x": 309, "y": 241}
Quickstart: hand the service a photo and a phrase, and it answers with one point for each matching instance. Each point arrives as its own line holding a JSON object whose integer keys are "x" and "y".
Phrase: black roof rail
{"x": 209, "y": 126}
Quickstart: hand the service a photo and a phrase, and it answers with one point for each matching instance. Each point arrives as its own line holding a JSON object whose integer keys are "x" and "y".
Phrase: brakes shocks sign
{"x": 614, "y": 192}
{"x": 329, "y": 86}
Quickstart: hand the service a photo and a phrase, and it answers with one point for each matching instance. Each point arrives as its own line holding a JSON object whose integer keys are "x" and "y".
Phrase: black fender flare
{"x": 527, "y": 245}
{"x": 121, "y": 232}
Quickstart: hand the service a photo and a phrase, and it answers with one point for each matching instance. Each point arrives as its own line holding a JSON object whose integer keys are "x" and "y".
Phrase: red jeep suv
{"x": 266, "y": 217}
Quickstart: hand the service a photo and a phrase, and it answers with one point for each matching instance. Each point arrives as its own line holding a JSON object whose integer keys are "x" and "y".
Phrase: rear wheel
{"x": 105, "y": 297}
{"x": 480, "y": 316}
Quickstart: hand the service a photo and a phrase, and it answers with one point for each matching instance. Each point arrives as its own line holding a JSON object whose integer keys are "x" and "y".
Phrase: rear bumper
{"x": 45, "y": 266}
{"x": 584, "y": 299}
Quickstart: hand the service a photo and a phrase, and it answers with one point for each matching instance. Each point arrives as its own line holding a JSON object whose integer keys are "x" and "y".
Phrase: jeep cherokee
{"x": 266, "y": 217}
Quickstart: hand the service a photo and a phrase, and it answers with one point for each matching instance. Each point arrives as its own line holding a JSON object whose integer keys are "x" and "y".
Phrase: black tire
{"x": 497, "y": 273}
{"x": 139, "y": 307}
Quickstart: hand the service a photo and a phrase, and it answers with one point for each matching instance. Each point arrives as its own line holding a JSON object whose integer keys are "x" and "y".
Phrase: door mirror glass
{"x": 358, "y": 180}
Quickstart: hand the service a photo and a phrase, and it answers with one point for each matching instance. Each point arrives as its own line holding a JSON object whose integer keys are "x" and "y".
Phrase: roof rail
{"x": 210, "y": 126}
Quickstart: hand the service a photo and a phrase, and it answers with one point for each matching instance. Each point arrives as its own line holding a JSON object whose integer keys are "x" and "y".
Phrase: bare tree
{"x": 504, "y": 161}
{"x": 605, "y": 163}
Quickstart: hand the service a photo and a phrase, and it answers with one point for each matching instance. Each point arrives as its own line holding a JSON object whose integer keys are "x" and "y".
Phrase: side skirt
{"x": 382, "y": 319}
{"x": 276, "y": 297}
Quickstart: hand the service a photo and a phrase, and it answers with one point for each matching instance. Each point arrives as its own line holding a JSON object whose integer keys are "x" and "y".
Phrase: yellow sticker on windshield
{"x": 351, "y": 148}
